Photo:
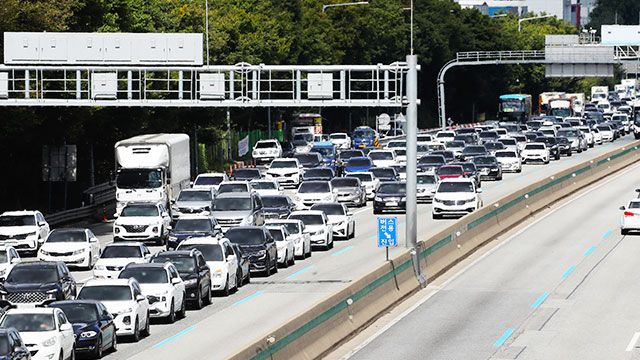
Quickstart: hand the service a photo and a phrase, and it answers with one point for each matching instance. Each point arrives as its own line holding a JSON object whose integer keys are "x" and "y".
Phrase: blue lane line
{"x": 568, "y": 272}
{"x": 589, "y": 251}
{"x": 348, "y": 248}
{"x": 607, "y": 234}
{"x": 540, "y": 300}
{"x": 299, "y": 272}
{"x": 503, "y": 338}
{"x": 171, "y": 338}
{"x": 250, "y": 297}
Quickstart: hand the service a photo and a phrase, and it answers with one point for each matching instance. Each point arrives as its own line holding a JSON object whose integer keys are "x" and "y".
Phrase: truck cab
{"x": 364, "y": 137}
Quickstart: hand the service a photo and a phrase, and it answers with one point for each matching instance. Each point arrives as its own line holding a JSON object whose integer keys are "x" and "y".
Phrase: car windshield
{"x": 345, "y": 182}
{"x": 508, "y": 141}
{"x": 194, "y": 196}
{"x": 264, "y": 185}
{"x": 450, "y": 170}
{"x": 474, "y": 150}
{"x": 359, "y": 162}
{"x": 563, "y": 140}
{"x": 211, "y": 252}
{"x": 362, "y": 176}
{"x": 392, "y": 188}
{"x": 308, "y": 219}
{"x": 17, "y": 220}
{"x": 232, "y": 204}
{"x": 381, "y": 155}
{"x": 318, "y": 173}
{"x": 506, "y": 154}
{"x": 333, "y": 209}
{"x": 348, "y": 154}
{"x": 450, "y": 187}
{"x": 401, "y": 152}
{"x": 634, "y": 205}
{"x": 115, "y": 252}
{"x": 432, "y": 159}
{"x": 488, "y": 135}
{"x": 424, "y": 138}
{"x": 484, "y": 160}
{"x": 604, "y": 128}
{"x": 246, "y": 173}
{"x": 384, "y": 172}
{"x": 245, "y": 236}
{"x": 146, "y": 276}
{"x": 232, "y": 188}
{"x": 209, "y": 180}
{"x": 185, "y": 264}
{"x": 302, "y": 138}
{"x": 140, "y": 210}
{"x": 275, "y": 201}
{"x": 494, "y": 146}
{"x": 307, "y": 159}
{"x": 314, "y": 187}
{"x": 276, "y": 234}
{"x": 338, "y": 136}
{"x": 67, "y": 236}
{"x": 192, "y": 225}
{"x": 32, "y": 275}
{"x": 287, "y": 164}
{"x": 363, "y": 133}
{"x": 106, "y": 293}
{"x": 29, "y": 322}
{"x": 455, "y": 144}
{"x": 426, "y": 179}
{"x": 568, "y": 133}
{"x": 292, "y": 227}
{"x": 444, "y": 134}
{"x": 324, "y": 151}
{"x": 79, "y": 312}
{"x": 139, "y": 179}
{"x": 266, "y": 145}
{"x": 534, "y": 147}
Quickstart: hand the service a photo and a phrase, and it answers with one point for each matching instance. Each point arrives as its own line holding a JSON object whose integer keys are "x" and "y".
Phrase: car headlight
{"x": 175, "y": 209}
{"x": 50, "y": 341}
{"x": 217, "y": 273}
{"x": 99, "y": 267}
{"x": 155, "y": 229}
{"x": 88, "y": 334}
{"x": 403, "y": 199}
{"x": 190, "y": 282}
{"x": 124, "y": 311}
{"x": 261, "y": 253}
{"x": 319, "y": 232}
{"x": 44, "y": 252}
{"x": 378, "y": 198}
{"x": 3, "y": 272}
{"x": 78, "y": 252}
{"x": 173, "y": 238}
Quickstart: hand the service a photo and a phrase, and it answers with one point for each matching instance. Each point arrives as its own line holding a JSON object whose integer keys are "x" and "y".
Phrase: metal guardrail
{"x": 97, "y": 197}
{"x": 500, "y": 55}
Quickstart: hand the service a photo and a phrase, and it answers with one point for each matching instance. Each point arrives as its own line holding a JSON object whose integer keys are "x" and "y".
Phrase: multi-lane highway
{"x": 231, "y": 323}
{"x": 560, "y": 287}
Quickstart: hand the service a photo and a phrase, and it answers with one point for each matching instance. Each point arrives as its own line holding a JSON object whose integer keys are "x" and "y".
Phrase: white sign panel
{"x": 243, "y": 146}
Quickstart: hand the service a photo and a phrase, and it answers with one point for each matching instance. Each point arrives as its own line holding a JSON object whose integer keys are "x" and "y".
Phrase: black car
{"x": 193, "y": 270}
{"x": 564, "y": 145}
{"x": 318, "y": 173}
{"x": 493, "y": 146}
{"x": 449, "y": 156}
{"x": 390, "y": 196}
{"x": 259, "y": 245}
{"x": 431, "y": 162}
{"x": 552, "y": 145}
{"x": 384, "y": 173}
{"x": 12, "y": 347}
{"x": 189, "y": 227}
{"x": 93, "y": 326}
{"x": 245, "y": 174}
{"x": 345, "y": 155}
{"x": 277, "y": 206}
{"x": 532, "y": 135}
{"x": 243, "y": 264}
{"x": 37, "y": 283}
{"x": 488, "y": 167}
{"x": 471, "y": 151}
{"x": 309, "y": 160}
{"x": 470, "y": 171}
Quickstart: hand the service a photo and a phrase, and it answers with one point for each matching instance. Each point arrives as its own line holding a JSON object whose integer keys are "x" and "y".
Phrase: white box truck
{"x": 599, "y": 93}
{"x": 152, "y": 168}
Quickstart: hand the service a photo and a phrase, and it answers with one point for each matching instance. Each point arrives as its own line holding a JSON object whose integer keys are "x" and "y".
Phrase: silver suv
{"x": 238, "y": 209}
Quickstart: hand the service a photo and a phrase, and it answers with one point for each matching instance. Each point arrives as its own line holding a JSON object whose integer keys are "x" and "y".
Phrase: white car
{"x": 509, "y": 160}
{"x": 162, "y": 286}
{"x": 116, "y": 257}
{"x": 340, "y": 140}
{"x": 266, "y": 150}
{"x": 509, "y": 143}
{"x": 401, "y": 155}
{"x": 521, "y": 140}
{"x": 588, "y": 135}
{"x": 125, "y": 301}
{"x": 141, "y": 222}
{"x": 222, "y": 261}
{"x": 301, "y": 240}
{"x": 24, "y": 230}
{"x": 630, "y": 220}
{"x": 8, "y": 258}
{"x": 45, "y": 331}
{"x": 285, "y": 171}
{"x": 535, "y": 152}
{"x": 424, "y": 139}
{"x": 316, "y": 224}
{"x": 284, "y": 245}
{"x": 311, "y": 192}
{"x": 395, "y": 144}
{"x": 445, "y": 136}
{"x": 209, "y": 181}
{"x": 597, "y": 136}
{"x": 74, "y": 247}
{"x": 455, "y": 197}
{"x": 234, "y": 186}
{"x": 606, "y": 132}
{"x": 383, "y": 158}
{"x": 340, "y": 219}
{"x": 548, "y": 131}
{"x": 369, "y": 182}
{"x": 427, "y": 183}
{"x": 266, "y": 187}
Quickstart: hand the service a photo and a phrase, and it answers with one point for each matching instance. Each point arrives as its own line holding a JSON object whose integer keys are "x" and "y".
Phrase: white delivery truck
{"x": 152, "y": 168}
{"x": 577, "y": 103}
{"x": 631, "y": 87}
{"x": 599, "y": 93}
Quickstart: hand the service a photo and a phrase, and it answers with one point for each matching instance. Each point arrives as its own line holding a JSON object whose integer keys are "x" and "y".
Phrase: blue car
{"x": 364, "y": 137}
{"x": 358, "y": 164}
{"x": 328, "y": 152}
{"x": 93, "y": 326}
{"x": 12, "y": 346}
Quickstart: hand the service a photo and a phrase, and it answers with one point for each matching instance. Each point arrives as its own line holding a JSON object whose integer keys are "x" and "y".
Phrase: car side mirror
{"x": 66, "y": 327}
{"x": 623, "y": 208}
{"x": 18, "y": 350}
{"x": 93, "y": 240}
{"x": 176, "y": 281}
{"x": 190, "y": 183}
{"x": 115, "y": 216}
{"x": 169, "y": 227}
{"x": 479, "y": 191}
{"x": 140, "y": 298}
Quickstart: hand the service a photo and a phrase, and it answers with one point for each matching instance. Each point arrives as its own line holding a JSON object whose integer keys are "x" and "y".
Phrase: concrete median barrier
{"x": 320, "y": 328}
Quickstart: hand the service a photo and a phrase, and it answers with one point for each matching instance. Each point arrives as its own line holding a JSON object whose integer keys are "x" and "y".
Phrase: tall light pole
{"x": 520, "y": 21}
{"x": 206, "y": 26}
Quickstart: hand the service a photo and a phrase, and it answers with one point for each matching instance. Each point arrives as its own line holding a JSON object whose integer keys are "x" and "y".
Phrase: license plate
{"x": 391, "y": 203}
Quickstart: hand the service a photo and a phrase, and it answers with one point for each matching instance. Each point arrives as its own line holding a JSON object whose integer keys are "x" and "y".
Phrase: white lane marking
{"x": 632, "y": 343}
{"x": 437, "y": 289}
{"x": 362, "y": 210}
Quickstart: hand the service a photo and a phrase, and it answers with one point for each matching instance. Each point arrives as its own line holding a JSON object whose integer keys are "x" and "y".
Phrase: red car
{"x": 450, "y": 172}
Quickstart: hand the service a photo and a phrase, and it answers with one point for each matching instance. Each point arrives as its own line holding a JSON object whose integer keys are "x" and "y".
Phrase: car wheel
{"x": 267, "y": 270}
{"x": 285, "y": 263}
{"x": 136, "y": 331}
{"x": 624, "y": 231}
{"x": 225, "y": 291}
{"x": 353, "y": 232}
{"x": 557, "y": 156}
{"x": 546, "y": 162}
{"x": 248, "y": 279}
{"x": 114, "y": 341}
{"x": 275, "y": 265}
{"x": 147, "y": 327}
{"x": 89, "y": 262}
{"x": 199, "y": 304}
{"x": 592, "y": 144}
{"x": 97, "y": 354}
{"x": 172, "y": 313}
{"x": 238, "y": 281}
{"x": 292, "y": 261}
{"x": 207, "y": 298}
{"x": 183, "y": 309}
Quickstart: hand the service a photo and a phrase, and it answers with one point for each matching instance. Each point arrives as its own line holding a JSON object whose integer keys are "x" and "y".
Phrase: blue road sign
{"x": 387, "y": 231}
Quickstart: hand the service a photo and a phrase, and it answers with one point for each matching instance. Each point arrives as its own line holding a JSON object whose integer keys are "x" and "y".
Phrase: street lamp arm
{"x": 326, "y": 6}
{"x": 520, "y": 21}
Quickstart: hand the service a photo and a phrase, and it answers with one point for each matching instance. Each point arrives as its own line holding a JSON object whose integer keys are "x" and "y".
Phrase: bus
{"x": 514, "y": 108}
{"x": 306, "y": 123}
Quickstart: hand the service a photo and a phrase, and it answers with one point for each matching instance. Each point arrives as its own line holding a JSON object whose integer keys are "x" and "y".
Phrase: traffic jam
{"x": 178, "y": 243}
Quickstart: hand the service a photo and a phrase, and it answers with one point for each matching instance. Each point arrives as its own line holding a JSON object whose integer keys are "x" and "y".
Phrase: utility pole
{"x": 229, "y": 147}
{"x": 206, "y": 26}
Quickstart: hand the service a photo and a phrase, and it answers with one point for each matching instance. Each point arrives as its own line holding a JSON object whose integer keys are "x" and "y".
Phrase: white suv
{"x": 383, "y": 158}
{"x": 124, "y": 300}
{"x": 8, "y": 258}
{"x": 340, "y": 140}
{"x": 311, "y": 192}
{"x": 456, "y": 197}
{"x": 221, "y": 259}
{"x": 285, "y": 171}
{"x": 341, "y": 219}
{"x": 284, "y": 245}
{"x": 316, "y": 224}
{"x": 209, "y": 181}
{"x": 295, "y": 228}
{"x": 74, "y": 247}
{"x": 45, "y": 331}
{"x": 142, "y": 221}
{"x": 535, "y": 152}
{"x": 266, "y": 150}
{"x": 162, "y": 286}
{"x": 509, "y": 160}
{"x": 115, "y": 257}
{"x": 24, "y": 230}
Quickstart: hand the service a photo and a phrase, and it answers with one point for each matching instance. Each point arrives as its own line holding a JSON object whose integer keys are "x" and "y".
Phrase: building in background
{"x": 574, "y": 11}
